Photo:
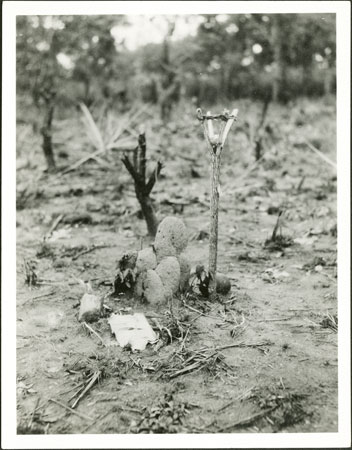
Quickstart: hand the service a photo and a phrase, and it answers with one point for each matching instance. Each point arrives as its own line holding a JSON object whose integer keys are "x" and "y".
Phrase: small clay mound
{"x": 150, "y": 287}
{"x": 185, "y": 272}
{"x": 157, "y": 272}
{"x": 169, "y": 273}
{"x": 171, "y": 238}
{"x": 146, "y": 259}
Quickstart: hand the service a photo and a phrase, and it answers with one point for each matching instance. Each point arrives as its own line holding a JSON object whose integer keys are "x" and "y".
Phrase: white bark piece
{"x": 133, "y": 330}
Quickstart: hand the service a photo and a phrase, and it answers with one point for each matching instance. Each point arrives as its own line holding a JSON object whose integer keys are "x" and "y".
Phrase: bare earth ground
{"x": 283, "y": 376}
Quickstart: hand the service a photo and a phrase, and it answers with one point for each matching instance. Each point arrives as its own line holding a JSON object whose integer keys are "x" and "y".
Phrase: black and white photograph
{"x": 177, "y": 224}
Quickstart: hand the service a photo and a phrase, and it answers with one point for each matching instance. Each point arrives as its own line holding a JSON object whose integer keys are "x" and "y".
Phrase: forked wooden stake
{"x": 215, "y": 143}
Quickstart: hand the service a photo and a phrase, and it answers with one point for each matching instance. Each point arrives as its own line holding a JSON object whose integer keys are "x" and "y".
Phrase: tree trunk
{"x": 167, "y": 77}
{"x": 86, "y": 84}
{"x": 143, "y": 188}
{"x": 46, "y": 132}
{"x": 214, "y": 213}
{"x": 327, "y": 81}
{"x": 279, "y": 75}
{"x": 148, "y": 213}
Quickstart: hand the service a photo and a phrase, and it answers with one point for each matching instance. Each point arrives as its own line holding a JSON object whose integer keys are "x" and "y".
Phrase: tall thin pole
{"x": 214, "y": 219}
{"x": 215, "y": 144}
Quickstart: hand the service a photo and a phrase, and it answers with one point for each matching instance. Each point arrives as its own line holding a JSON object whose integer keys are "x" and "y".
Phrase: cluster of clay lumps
{"x": 163, "y": 270}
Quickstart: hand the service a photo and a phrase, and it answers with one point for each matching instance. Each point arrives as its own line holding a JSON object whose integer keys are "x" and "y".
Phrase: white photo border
{"x": 10, "y": 439}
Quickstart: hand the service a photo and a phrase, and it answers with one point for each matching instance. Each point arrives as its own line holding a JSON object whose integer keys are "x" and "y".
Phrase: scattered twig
{"x": 239, "y": 397}
{"x": 36, "y": 297}
{"x": 95, "y": 377}
{"x": 299, "y": 187}
{"x": 253, "y": 166}
{"x": 183, "y": 344}
{"x": 275, "y": 319}
{"x": 94, "y": 332}
{"x": 31, "y": 276}
{"x": 282, "y": 383}
{"x": 243, "y": 344}
{"x": 81, "y": 161}
{"x": 70, "y": 409}
{"x": 115, "y": 408}
{"x": 89, "y": 250}
{"x": 187, "y": 158}
{"x": 34, "y": 411}
{"x": 246, "y": 421}
{"x": 276, "y": 227}
{"x": 198, "y": 312}
{"x": 72, "y": 389}
{"x": 54, "y": 226}
{"x": 319, "y": 153}
{"x": 330, "y": 321}
{"x": 306, "y": 309}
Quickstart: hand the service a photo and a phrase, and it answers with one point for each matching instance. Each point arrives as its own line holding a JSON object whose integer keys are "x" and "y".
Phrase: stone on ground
{"x": 223, "y": 284}
{"x": 90, "y": 308}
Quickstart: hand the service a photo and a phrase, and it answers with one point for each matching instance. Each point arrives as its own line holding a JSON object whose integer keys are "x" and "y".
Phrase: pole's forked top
{"x": 217, "y": 141}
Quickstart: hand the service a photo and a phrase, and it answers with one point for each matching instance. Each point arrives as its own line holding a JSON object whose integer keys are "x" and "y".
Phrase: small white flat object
{"x": 133, "y": 330}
